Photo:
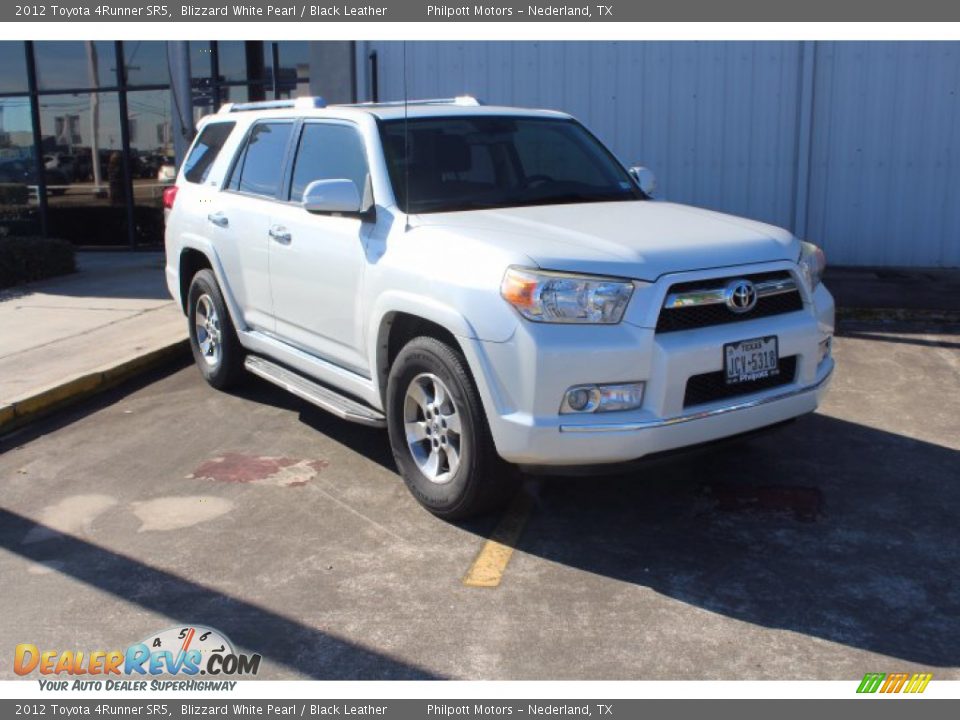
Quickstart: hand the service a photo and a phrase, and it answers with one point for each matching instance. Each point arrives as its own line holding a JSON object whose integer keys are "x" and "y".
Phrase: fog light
{"x": 602, "y": 398}
{"x": 582, "y": 399}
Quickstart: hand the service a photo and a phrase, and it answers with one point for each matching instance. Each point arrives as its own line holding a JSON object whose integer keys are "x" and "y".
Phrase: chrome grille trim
{"x": 715, "y": 296}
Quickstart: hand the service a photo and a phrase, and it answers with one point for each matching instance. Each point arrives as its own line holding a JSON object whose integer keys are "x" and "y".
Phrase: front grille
{"x": 712, "y": 386}
{"x": 689, "y": 318}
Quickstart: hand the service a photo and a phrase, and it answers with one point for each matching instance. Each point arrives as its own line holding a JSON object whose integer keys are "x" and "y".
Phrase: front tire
{"x": 216, "y": 349}
{"x": 439, "y": 433}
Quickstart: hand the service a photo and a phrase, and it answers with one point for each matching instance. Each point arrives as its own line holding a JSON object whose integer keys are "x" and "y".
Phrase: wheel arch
{"x": 199, "y": 256}
{"x": 191, "y": 262}
{"x": 396, "y": 329}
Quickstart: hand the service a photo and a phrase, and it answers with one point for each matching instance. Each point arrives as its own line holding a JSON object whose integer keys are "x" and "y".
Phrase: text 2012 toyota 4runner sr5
{"x": 488, "y": 283}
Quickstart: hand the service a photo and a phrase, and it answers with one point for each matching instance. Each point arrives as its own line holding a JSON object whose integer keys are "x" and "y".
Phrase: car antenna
{"x": 406, "y": 146}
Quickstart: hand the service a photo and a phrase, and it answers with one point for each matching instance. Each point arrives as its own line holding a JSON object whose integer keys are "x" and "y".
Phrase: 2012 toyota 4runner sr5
{"x": 488, "y": 283}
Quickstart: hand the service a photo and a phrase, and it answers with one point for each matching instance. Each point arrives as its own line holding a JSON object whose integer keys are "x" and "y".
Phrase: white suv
{"x": 488, "y": 283}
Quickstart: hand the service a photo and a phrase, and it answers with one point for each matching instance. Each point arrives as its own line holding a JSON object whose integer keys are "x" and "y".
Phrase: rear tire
{"x": 439, "y": 434}
{"x": 213, "y": 340}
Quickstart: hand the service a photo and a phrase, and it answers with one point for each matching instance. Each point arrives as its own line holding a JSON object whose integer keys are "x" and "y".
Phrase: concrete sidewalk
{"x": 67, "y": 337}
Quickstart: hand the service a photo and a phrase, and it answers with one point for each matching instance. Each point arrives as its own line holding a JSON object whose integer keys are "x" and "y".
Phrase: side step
{"x": 322, "y": 397}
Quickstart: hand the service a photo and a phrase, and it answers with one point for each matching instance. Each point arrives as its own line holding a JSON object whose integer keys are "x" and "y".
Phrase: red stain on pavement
{"x": 241, "y": 468}
{"x": 806, "y": 503}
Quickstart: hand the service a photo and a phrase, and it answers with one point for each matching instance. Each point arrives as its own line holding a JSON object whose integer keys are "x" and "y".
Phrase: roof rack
{"x": 301, "y": 103}
{"x": 463, "y": 100}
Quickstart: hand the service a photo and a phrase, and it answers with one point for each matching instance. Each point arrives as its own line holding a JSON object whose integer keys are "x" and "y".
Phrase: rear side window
{"x": 259, "y": 168}
{"x": 205, "y": 150}
{"x": 328, "y": 151}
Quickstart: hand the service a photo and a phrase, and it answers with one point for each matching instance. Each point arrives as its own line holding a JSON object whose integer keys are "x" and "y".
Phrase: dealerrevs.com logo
{"x": 184, "y": 651}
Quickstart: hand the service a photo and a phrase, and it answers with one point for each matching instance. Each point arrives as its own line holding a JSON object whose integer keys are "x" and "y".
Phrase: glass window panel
{"x": 329, "y": 152}
{"x": 200, "y": 57}
{"x": 152, "y": 162}
{"x": 231, "y": 54}
{"x": 14, "y": 64}
{"x": 293, "y": 76}
{"x": 242, "y": 93}
{"x": 146, "y": 62}
{"x": 18, "y": 207}
{"x": 66, "y": 64}
{"x": 83, "y": 132}
{"x": 234, "y": 93}
{"x": 204, "y": 152}
{"x": 259, "y": 169}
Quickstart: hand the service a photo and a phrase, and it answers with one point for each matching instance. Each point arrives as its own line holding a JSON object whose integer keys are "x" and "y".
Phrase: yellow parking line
{"x": 487, "y": 570}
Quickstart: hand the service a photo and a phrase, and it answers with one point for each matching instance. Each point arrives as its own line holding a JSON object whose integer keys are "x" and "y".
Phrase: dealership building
{"x": 853, "y": 145}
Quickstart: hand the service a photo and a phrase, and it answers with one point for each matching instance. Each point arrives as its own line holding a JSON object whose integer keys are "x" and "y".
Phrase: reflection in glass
{"x": 18, "y": 170}
{"x": 200, "y": 57}
{"x": 231, "y": 55}
{"x": 67, "y": 64}
{"x": 14, "y": 63}
{"x": 293, "y": 74}
{"x": 83, "y": 131}
{"x": 146, "y": 62}
{"x": 151, "y": 145}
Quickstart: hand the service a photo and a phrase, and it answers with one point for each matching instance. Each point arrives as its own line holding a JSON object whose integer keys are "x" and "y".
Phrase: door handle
{"x": 218, "y": 219}
{"x": 280, "y": 234}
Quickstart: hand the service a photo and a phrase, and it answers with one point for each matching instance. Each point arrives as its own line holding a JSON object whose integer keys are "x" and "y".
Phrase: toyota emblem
{"x": 740, "y": 296}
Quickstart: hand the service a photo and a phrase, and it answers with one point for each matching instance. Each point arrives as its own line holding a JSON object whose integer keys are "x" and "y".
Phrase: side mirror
{"x": 645, "y": 179}
{"x": 331, "y": 196}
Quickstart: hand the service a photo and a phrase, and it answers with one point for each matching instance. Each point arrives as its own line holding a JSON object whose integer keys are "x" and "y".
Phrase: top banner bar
{"x": 504, "y": 11}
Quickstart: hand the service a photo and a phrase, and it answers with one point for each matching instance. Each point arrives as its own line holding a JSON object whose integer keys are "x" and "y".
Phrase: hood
{"x": 636, "y": 239}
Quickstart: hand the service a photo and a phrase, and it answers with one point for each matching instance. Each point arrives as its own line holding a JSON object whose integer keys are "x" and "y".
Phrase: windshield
{"x": 480, "y": 162}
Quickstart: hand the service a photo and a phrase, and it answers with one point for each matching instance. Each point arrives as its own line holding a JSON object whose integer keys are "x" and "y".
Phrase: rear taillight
{"x": 169, "y": 195}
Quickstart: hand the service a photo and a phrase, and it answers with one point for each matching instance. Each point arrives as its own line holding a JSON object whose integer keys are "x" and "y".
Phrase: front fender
{"x": 428, "y": 308}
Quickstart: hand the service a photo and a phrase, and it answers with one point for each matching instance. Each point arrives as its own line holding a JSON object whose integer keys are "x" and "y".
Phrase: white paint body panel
{"x": 447, "y": 268}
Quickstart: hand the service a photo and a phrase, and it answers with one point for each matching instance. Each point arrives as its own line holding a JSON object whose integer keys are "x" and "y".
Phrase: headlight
{"x": 812, "y": 264}
{"x": 555, "y": 297}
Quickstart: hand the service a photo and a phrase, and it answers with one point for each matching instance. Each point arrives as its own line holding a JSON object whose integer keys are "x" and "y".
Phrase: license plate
{"x": 750, "y": 360}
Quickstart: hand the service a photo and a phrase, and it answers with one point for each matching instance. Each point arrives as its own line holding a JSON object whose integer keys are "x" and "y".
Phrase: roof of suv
{"x": 446, "y": 107}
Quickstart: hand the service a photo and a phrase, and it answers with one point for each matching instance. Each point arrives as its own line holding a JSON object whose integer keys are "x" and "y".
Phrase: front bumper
{"x": 523, "y": 380}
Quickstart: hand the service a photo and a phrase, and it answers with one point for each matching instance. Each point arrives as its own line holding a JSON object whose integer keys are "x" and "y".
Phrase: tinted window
{"x": 328, "y": 152}
{"x": 468, "y": 163}
{"x": 205, "y": 150}
{"x": 261, "y": 161}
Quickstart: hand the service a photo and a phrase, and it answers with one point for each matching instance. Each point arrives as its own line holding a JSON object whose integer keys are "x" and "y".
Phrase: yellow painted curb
{"x": 75, "y": 389}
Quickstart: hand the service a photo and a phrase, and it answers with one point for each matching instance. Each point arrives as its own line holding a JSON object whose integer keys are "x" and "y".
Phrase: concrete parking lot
{"x": 823, "y": 551}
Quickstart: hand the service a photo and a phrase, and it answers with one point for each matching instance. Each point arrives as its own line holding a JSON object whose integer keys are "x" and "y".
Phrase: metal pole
{"x": 94, "y": 79}
{"x": 215, "y": 73}
{"x": 125, "y": 144}
{"x": 37, "y": 137}
{"x": 178, "y": 60}
{"x": 275, "y": 59}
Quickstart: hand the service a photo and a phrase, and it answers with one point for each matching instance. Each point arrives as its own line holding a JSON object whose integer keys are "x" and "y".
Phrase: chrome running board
{"x": 314, "y": 393}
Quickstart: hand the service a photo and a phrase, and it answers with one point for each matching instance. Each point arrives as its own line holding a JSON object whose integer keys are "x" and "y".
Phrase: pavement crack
{"x": 349, "y": 508}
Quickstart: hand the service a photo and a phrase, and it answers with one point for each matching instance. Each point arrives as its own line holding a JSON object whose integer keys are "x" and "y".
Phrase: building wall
{"x": 853, "y": 145}
{"x": 331, "y": 70}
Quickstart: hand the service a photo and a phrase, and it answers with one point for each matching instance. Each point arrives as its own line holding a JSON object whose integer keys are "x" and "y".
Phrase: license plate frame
{"x": 752, "y": 359}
